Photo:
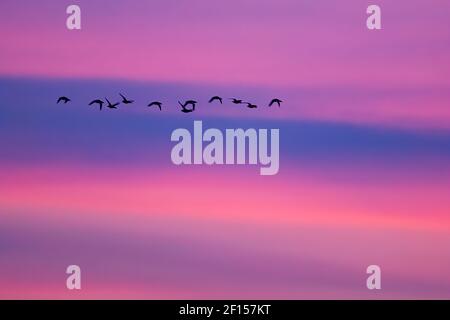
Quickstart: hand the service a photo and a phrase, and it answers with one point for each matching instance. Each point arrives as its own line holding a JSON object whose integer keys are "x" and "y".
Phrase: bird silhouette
{"x": 125, "y": 100}
{"x": 277, "y": 101}
{"x": 63, "y": 99}
{"x": 97, "y": 101}
{"x": 185, "y": 110}
{"x": 155, "y": 103}
{"x": 112, "y": 106}
{"x": 215, "y": 98}
{"x": 188, "y": 102}
{"x": 236, "y": 101}
{"x": 250, "y": 105}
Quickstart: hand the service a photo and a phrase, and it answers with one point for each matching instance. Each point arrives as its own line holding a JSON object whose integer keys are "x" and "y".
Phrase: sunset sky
{"x": 364, "y": 150}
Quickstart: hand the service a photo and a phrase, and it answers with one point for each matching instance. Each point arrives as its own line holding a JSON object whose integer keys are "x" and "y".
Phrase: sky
{"x": 364, "y": 150}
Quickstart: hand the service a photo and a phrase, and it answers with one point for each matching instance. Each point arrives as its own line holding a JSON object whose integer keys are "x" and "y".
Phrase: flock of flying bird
{"x": 186, "y": 107}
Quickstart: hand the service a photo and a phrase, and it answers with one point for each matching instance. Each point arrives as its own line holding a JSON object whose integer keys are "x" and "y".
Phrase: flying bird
{"x": 112, "y": 106}
{"x": 155, "y": 103}
{"x": 125, "y": 100}
{"x": 188, "y": 102}
{"x": 63, "y": 99}
{"x": 277, "y": 101}
{"x": 236, "y": 101}
{"x": 97, "y": 101}
{"x": 185, "y": 110}
{"x": 250, "y": 105}
{"x": 215, "y": 98}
